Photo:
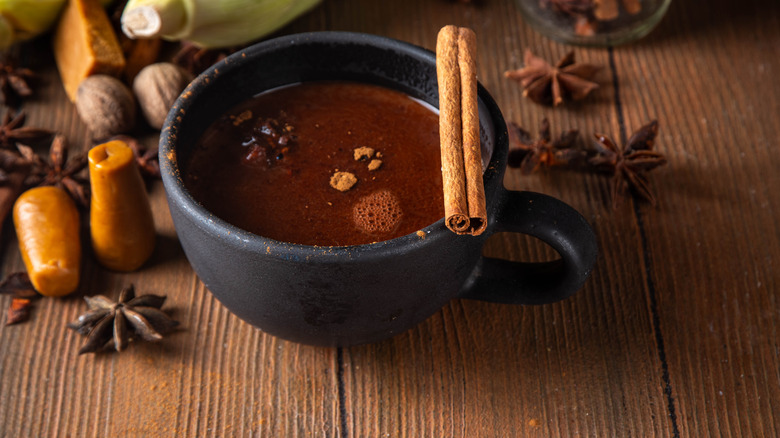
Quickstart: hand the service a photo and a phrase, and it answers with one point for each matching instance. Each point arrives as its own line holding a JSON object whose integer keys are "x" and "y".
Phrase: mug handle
{"x": 555, "y": 223}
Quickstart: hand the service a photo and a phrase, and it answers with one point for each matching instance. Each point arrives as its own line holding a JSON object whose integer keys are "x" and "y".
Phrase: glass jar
{"x": 593, "y": 22}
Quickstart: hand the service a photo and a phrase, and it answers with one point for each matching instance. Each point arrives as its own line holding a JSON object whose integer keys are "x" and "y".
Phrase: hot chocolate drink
{"x": 322, "y": 163}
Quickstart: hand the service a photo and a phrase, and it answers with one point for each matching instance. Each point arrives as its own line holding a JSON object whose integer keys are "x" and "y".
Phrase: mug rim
{"x": 209, "y": 222}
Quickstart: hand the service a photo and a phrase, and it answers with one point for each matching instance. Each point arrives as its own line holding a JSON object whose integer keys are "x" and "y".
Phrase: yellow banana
{"x": 210, "y": 23}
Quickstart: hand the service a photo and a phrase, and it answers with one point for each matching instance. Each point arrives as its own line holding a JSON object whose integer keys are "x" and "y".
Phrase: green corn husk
{"x": 210, "y": 23}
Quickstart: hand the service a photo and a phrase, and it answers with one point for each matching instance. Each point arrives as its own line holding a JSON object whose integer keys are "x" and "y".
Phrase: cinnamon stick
{"x": 464, "y": 193}
{"x": 472, "y": 148}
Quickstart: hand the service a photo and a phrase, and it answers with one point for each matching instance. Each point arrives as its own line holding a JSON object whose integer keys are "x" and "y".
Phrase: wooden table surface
{"x": 676, "y": 333}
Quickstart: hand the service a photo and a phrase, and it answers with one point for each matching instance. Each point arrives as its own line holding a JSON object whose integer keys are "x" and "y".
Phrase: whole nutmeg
{"x": 157, "y": 86}
{"x": 105, "y": 105}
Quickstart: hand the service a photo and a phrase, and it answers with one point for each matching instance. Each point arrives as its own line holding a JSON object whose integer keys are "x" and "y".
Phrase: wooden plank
{"x": 216, "y": 376}
{"x": 709, "y": 73}
{"x": 484, "y": 370}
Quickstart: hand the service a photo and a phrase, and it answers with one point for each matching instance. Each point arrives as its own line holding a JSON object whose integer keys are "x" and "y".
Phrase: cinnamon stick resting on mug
{"x": 461, "y": 156}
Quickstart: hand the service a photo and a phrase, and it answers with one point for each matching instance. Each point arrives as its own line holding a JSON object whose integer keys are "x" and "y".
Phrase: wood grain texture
{"x": 675, "y": 334}
{"x": 488, "y": 370}
{"x": 215, "y": 376}
{"x": 713, "y": 243}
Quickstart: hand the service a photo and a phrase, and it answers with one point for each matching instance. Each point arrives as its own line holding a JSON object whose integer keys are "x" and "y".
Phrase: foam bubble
{"x": 377, "y": 213}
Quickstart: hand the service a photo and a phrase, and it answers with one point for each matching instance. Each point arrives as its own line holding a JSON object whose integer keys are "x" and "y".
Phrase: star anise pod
{"x": 545, "y": 84}
{"x": 629, "y": 165}
{"x": 579, "y": 11}
{"x": 58, "y": 170}
{"x": 117, "y": 323}
{"x": 529, "y": 155}
{"x": 10, "y": 162}
{"x": 13, "y": 131}
{"x": 14, "y": 82}
{"x": 18, "y": 311}
{"x": 19, "y": 285}
{"x": 569, "y": 7}
{"x": 146, "y": 158}
{"x": 12, "y": 154}
{"x": 20, "y": 288}
{"x": 14, "y": 169}
{"x": 195, "y": 59}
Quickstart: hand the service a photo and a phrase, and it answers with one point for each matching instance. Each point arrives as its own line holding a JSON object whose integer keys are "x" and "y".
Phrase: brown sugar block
{"x": 120, "y": 217}
{"x": 47, "y": 224}
{"x": 85, "y": 44}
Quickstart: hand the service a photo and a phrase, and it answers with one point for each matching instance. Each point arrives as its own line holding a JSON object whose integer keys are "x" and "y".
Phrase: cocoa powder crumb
{"x": 374, "y": 164}
{"x": 343, "y": 181}
{"x": 363, "y": 153}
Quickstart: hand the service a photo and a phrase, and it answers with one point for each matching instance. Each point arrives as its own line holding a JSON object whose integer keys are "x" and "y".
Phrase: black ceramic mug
{"x": 349, "y": 295}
